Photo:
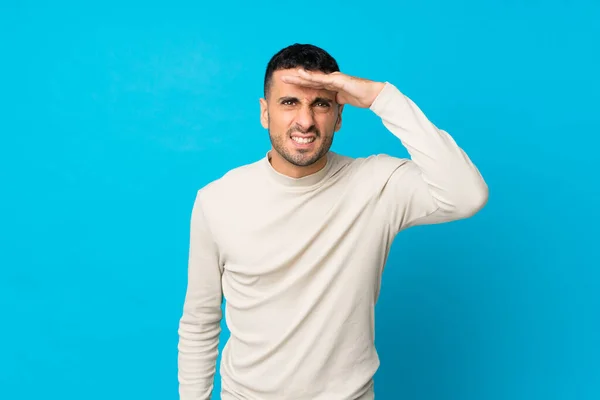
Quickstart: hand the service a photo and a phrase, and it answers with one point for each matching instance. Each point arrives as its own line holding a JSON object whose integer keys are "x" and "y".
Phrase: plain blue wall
{"x": 114, "y": 115}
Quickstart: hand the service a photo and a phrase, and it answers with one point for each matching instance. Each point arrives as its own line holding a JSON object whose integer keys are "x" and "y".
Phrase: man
{"x": 296, "y": 242}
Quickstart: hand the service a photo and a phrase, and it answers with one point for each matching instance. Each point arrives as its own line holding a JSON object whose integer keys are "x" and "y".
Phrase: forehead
{"x": 280, "y": 88}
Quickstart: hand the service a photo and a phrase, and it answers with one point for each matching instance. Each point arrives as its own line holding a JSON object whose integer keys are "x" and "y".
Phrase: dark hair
{"x": 307, "y": 56}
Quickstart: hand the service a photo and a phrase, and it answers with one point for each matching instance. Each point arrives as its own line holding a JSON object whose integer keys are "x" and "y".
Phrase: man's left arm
{"x": 439, "y": 183}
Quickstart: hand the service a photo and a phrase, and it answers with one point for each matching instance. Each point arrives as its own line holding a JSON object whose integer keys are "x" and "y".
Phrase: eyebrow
{"x": 316, "y": 100}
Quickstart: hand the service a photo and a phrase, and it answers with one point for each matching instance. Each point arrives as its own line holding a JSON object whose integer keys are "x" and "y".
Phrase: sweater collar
{"x": 300, "y": 183}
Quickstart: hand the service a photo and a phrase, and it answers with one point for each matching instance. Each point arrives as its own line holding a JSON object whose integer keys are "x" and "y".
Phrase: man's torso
{"x": 302, "y": 267}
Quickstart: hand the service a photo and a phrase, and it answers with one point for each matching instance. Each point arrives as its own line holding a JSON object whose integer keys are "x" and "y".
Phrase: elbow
{"x": 472, "y": 200}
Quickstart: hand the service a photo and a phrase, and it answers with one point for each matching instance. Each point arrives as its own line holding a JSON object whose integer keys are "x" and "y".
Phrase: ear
{"x": 338, "y": 124}
{"x": 264, "y": 113}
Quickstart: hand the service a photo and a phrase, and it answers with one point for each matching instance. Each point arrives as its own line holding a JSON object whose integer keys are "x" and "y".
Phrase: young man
{"x": 296, "y": 242}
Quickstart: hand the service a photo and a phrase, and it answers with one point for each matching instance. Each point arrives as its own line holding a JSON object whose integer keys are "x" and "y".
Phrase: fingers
{"x": 296, "y": 80}
{"x": 317, "y": 81}
{"x": 326, "y": 80}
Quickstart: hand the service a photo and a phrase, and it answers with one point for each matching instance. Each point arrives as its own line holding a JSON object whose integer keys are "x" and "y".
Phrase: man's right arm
{"x": 199, "y": 326}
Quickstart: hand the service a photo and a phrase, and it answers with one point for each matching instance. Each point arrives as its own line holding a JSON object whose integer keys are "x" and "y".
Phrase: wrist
{"x": 376, "y": 88}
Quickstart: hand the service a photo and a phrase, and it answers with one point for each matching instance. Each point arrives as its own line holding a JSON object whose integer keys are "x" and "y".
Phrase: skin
{"x": 309, "y": 104}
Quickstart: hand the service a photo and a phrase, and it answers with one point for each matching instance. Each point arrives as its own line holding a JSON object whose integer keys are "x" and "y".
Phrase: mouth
{"x": 303, "y": 139}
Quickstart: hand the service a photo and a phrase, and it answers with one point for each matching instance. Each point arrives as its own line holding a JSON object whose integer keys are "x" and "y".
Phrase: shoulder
{"x": 233, "y": 184}
{"x": 380, "y": 167}
{"x": 385, "y": 161}
{"x": 376, "y": 174}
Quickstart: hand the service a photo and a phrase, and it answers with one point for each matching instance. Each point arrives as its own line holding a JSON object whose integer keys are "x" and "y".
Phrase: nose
{"x": 305, "y": 118}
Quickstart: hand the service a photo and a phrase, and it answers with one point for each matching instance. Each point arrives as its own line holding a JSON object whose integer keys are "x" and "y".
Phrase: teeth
{"x": 303, "y": 140}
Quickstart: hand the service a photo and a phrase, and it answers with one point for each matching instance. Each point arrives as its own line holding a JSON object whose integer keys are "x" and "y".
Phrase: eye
{"x": 288, "y": 102}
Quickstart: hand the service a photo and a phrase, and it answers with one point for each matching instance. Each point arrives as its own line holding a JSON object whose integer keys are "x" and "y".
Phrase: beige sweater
{"x": 299, "y": 262}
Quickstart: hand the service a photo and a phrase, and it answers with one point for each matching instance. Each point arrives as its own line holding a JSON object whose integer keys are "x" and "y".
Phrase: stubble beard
{"x": 300, "y": 158}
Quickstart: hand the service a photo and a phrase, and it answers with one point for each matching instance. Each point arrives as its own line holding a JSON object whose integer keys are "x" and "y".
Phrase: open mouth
{"x": 303, "y": 140}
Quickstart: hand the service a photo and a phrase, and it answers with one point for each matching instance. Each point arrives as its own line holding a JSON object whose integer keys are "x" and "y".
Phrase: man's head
{"x": 301, "y": 121}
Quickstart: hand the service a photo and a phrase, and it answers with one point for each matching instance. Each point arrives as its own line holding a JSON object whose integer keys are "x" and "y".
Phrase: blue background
{"x": 114, "y": 115}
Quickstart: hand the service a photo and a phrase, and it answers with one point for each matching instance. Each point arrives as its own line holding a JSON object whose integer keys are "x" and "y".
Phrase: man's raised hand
{"x": 351, "y": 90}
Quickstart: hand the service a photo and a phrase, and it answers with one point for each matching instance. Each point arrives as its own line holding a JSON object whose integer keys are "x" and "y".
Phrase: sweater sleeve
{"x": 199, "y": 326}
{"x": 439, "y": 183}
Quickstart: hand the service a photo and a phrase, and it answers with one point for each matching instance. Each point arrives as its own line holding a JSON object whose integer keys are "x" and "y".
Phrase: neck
{"x": 286, "y": 168}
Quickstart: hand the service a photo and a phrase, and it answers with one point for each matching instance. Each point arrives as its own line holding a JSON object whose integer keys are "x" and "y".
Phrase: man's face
{"x": 301, "y": 121}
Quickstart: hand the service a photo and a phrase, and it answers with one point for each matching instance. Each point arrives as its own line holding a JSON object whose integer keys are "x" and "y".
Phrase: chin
{"x": 301, "y": 155}
{"x": 303, "y": 158}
